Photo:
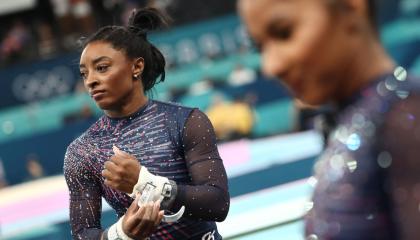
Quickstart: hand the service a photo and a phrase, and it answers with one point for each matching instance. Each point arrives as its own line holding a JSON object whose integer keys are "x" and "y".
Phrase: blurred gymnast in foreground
{"x": 329, "y": 52}
{"x": 143, "y": 156}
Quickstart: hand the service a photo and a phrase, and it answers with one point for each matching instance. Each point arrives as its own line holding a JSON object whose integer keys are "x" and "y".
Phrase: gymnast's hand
{"x": 121, "y": 171}
{"x": 141, "y": 222}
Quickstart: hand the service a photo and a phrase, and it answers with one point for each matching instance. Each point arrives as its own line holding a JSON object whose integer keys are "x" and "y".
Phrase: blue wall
{"x": 49, "y": 147}
{"x": 48, "y": 78}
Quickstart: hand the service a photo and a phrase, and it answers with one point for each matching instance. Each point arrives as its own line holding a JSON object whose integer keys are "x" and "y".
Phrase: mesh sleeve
{"x": 207, "y": 197}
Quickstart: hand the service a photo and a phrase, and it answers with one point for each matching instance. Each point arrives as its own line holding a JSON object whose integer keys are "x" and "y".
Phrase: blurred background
{"x": 268, "y": 142}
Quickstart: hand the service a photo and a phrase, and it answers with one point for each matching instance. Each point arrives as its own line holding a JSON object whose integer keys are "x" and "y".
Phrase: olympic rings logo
{"x": 43, "y": 84}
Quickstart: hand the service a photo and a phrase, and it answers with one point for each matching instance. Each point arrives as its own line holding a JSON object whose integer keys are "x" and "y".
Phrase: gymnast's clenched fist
{"x": 121, "y": 171}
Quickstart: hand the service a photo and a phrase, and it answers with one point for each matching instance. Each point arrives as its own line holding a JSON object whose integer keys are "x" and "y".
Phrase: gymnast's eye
{"x": 102, "y": 68}
{"x": 83, "y": 75}
{"x": 280, "y": 30}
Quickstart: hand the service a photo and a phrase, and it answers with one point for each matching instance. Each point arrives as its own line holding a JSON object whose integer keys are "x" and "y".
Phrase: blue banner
{"x": 27, "y": 83}
{"x": 400, "y": 32}
{"x": 210, "y": 39}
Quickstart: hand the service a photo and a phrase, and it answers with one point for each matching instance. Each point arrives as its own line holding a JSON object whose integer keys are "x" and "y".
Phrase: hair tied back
{"x": 143, "y": 20}
{"x": 138, "y": 32}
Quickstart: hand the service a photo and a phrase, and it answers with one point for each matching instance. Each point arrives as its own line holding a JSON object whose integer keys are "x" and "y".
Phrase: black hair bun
{"x": 148, "y": 19}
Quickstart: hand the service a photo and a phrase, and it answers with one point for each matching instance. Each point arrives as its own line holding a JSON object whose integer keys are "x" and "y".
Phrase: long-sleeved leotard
{"x": 171, "y": 141}
{"x": 369, "y": 174}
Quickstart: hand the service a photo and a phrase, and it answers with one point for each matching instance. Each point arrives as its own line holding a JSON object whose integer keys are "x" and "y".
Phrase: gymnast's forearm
{"x": 202, "y": 202}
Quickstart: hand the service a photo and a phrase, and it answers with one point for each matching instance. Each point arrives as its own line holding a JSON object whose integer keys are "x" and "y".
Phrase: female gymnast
{"x": 329, "y": 52}
{"x": 142, "y": 156}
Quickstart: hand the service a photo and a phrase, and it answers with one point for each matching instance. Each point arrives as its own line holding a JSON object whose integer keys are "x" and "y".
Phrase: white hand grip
{"x": 174, "y": 217}
{"x": 145, "y": 198}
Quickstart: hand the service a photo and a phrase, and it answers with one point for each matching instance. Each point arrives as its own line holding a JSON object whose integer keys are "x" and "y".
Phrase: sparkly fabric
{"x": 370, "y": 162}
{"x": 171, "y": 141}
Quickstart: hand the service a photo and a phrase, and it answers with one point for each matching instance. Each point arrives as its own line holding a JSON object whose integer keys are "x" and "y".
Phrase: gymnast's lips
{"x": 96, "y": 94}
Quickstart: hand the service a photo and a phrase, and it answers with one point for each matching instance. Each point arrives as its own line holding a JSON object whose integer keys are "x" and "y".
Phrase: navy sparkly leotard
{"x": 366, "y": 175}
{"x": 170, "y": 140}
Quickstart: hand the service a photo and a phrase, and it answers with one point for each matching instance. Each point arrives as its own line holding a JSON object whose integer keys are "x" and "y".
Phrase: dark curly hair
{"x": 133, "y": 41}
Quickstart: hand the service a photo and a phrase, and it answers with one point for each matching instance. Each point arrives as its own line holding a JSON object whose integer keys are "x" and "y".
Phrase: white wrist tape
{"x": 159, "y": 187}
{"x": 115, "y": 232}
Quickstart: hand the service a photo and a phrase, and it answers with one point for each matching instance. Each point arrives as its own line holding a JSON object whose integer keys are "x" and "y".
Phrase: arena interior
{"x": 267, "y": 142}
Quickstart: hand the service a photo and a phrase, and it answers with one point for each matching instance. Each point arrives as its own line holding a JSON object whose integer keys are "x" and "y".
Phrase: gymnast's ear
{"x": 138, "y": 67}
